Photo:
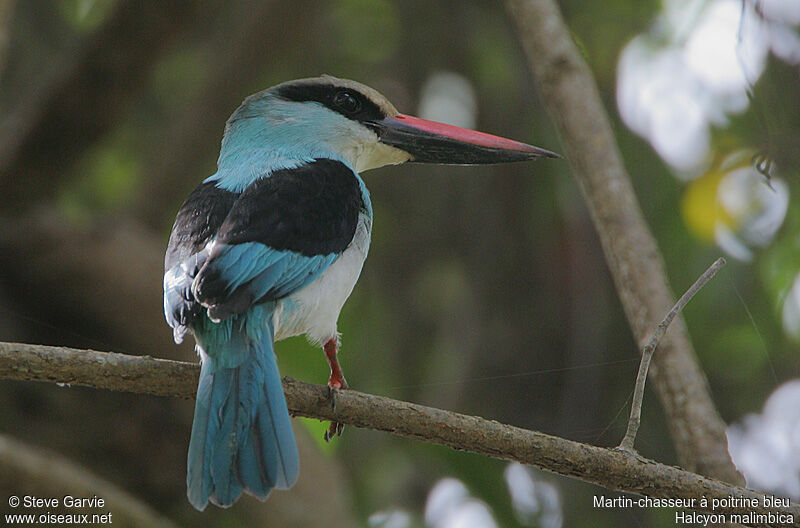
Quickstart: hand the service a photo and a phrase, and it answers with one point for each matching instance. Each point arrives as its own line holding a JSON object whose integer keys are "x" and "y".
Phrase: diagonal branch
{"x": 605, "y": 467}
{"x": 566, "y": 84}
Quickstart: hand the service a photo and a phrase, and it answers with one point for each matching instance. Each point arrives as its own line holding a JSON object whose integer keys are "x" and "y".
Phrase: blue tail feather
{"x": 242, "y": 439}
{"x": 277, "y": 444}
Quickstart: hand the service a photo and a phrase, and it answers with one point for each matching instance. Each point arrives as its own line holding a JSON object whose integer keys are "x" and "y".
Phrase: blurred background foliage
{"x": 485, "y": 291}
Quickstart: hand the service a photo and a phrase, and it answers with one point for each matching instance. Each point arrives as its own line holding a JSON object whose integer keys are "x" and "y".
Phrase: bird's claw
{"x": 336, "y": 382}
{"x": 334, "y": 386}
{"x": 335, "y": 429}
{"x": 332, "y": 392}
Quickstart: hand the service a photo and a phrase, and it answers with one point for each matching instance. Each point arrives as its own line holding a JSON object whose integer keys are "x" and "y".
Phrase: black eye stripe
{"x": 333, "y": 97}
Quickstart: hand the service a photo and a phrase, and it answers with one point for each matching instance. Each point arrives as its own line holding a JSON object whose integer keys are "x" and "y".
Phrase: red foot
{"x": 336, "y": 382}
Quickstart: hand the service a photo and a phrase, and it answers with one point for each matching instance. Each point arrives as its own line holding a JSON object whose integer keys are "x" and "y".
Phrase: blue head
{"x": 324, "y": 117}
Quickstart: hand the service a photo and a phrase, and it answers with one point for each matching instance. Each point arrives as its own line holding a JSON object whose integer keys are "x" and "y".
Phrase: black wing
{"x": 310, "y": 211}
{"x": 282, "y": 232}
{"x": 198, "y": 220}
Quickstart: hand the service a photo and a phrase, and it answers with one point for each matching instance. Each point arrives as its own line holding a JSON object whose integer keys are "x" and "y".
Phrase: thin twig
{"x": 611, "y": 469}
{"x": 647, "y": 354}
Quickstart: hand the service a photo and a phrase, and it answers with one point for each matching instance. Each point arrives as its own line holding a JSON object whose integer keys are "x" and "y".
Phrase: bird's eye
{"x": 347, "y": 102}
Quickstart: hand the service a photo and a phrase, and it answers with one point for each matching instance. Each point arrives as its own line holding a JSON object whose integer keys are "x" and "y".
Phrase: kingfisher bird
{"x": 270, "y": 246}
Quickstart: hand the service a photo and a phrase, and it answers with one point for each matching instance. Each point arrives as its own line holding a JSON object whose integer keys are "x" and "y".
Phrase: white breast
{"x": 315, "y": 309}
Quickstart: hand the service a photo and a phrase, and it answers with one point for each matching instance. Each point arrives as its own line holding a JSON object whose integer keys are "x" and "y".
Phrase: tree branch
{"x": 647, "y": 353}
{"x": 605, "y": 467}
{"x": 566, "y": 84}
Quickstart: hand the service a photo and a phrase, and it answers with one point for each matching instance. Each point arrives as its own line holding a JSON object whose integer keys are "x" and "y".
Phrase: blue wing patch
{"x": 229, "y": 251}
{"x": 234, "y": 277}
